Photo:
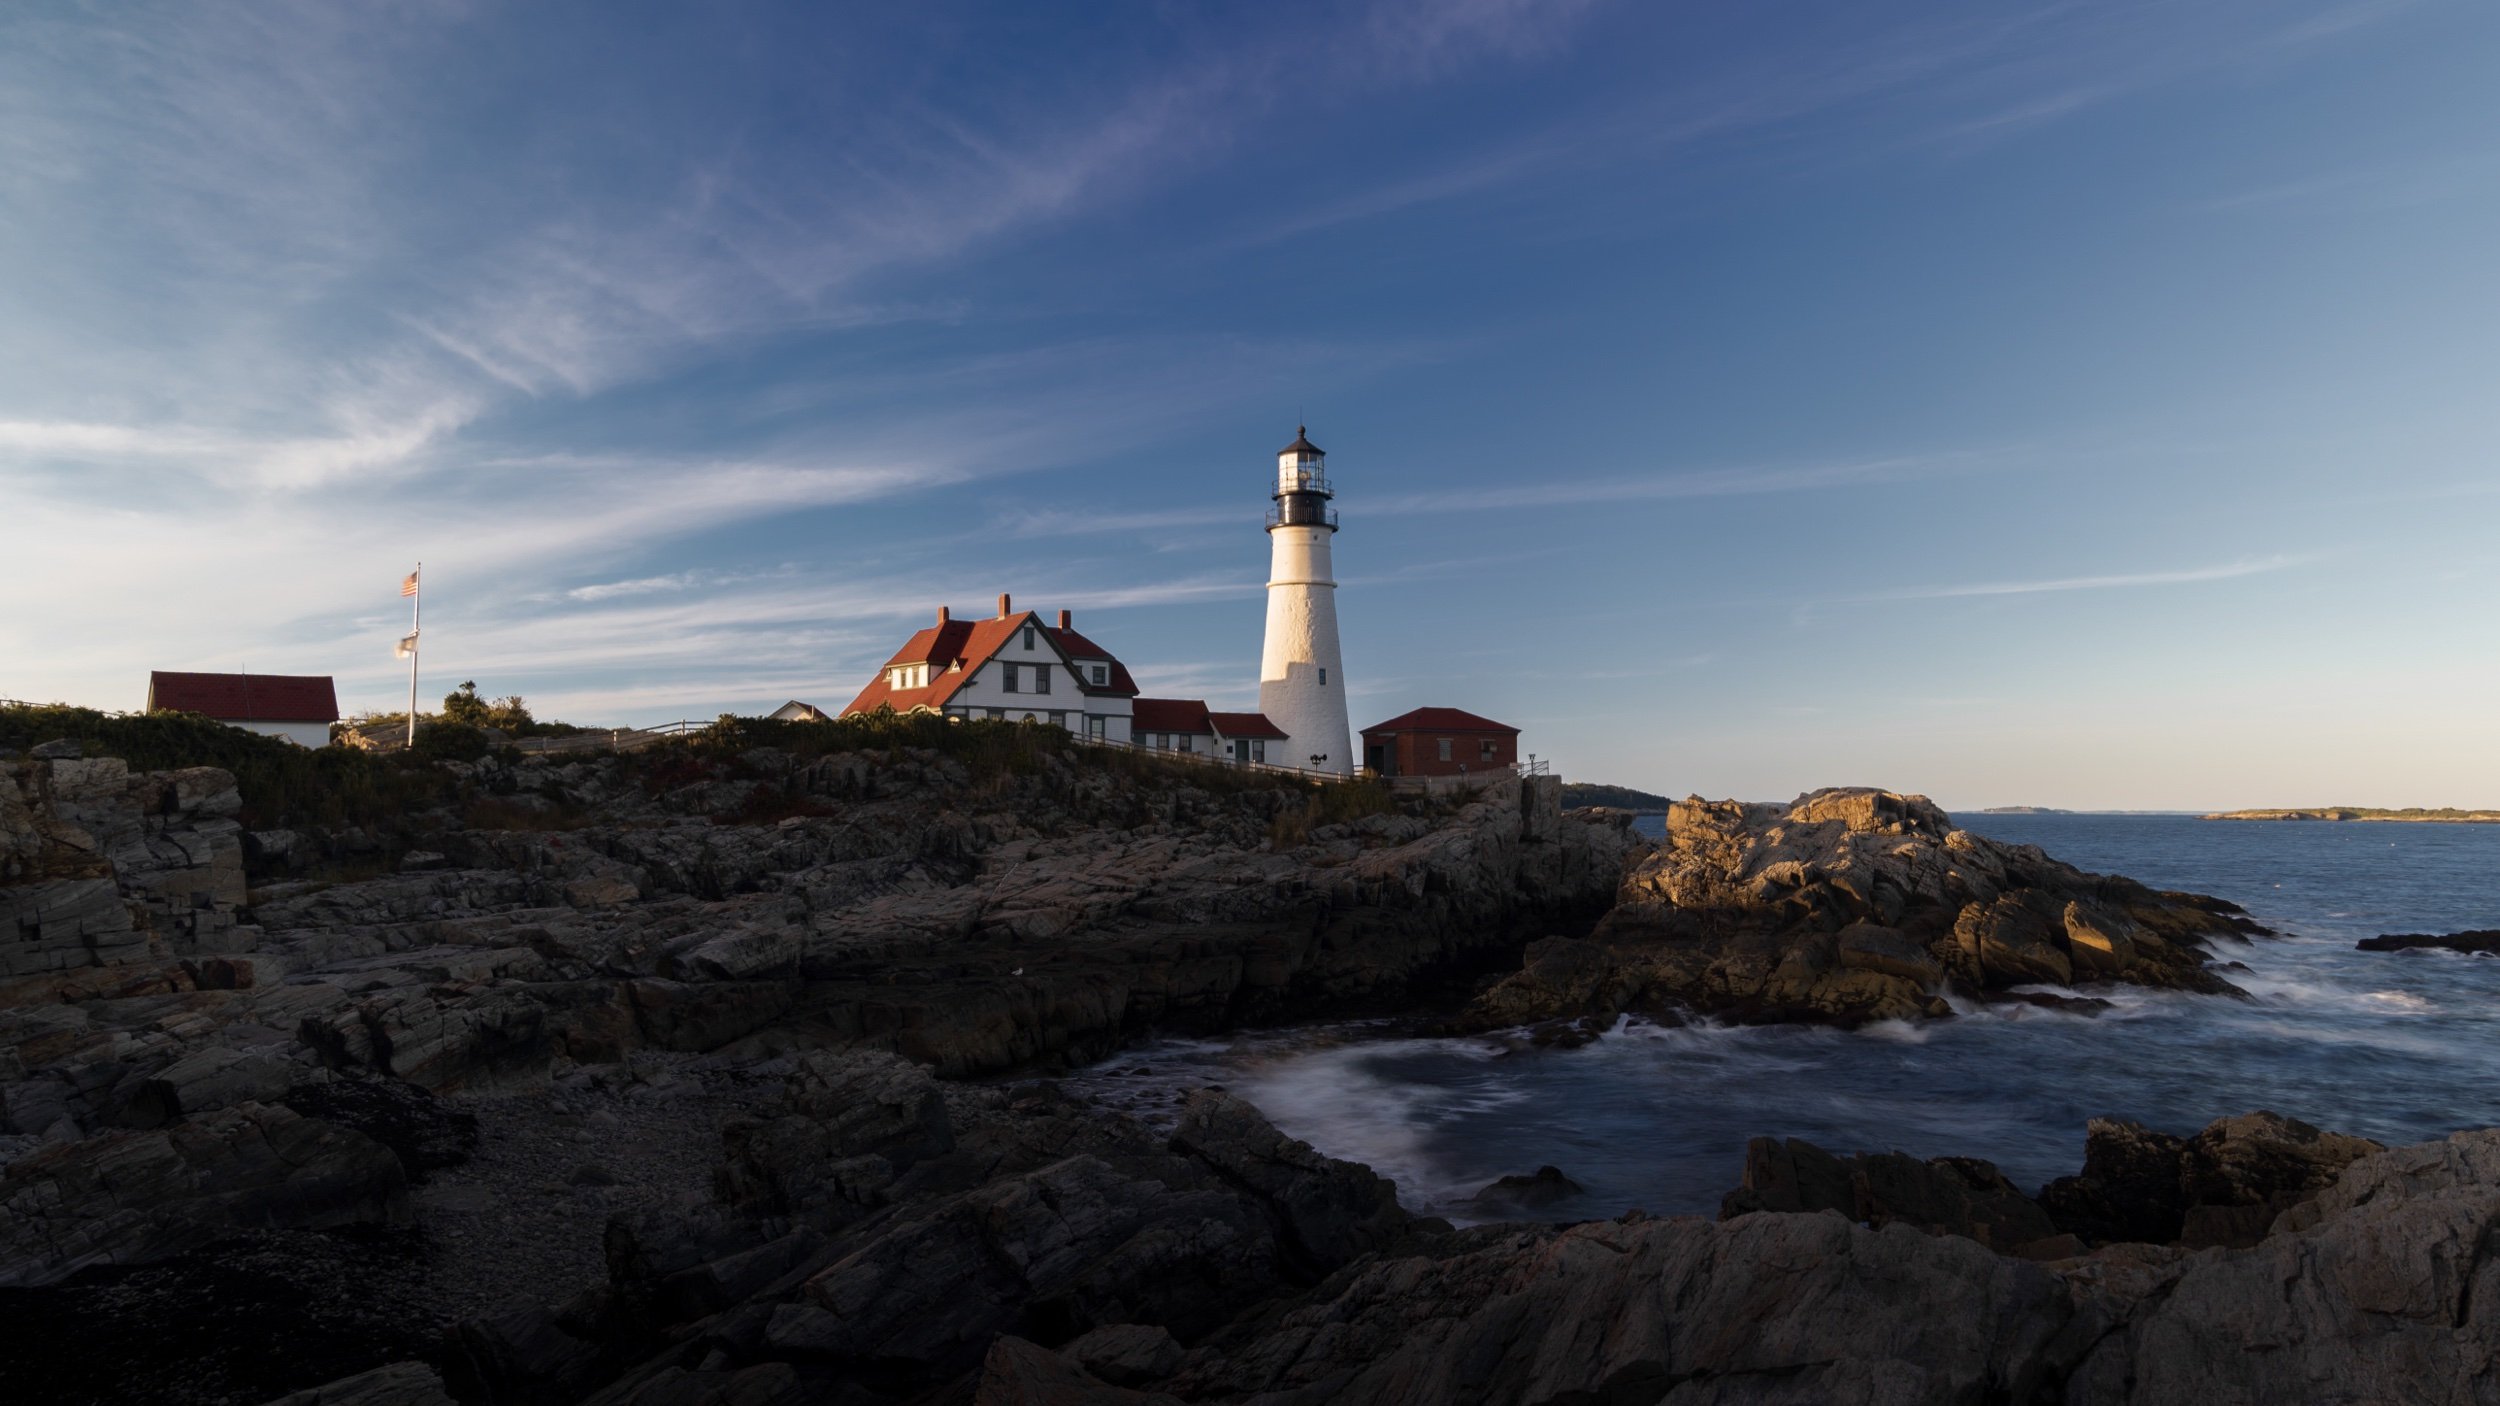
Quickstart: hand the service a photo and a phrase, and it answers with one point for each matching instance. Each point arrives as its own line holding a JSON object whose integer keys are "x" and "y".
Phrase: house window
{"x": 1010, "y": 678}
{"x": 1028, "y": 639}
{"x": 1094, "y": 728}
{"x": 1102, "y": 675}
{"x": 1445, "y": 749}
{"x": 1058, "y": 720}
{"x": 1258, "y": 751}
{"x": 1486, "y": 749}
{"x": 1041, "y": 678}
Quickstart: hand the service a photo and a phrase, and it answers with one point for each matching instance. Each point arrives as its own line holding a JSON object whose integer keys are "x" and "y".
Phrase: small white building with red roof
{"x": 1189, "y": 725}
{"x": 297, "y": 707}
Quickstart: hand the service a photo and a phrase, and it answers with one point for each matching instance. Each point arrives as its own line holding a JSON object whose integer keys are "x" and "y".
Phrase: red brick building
{"x": 1439, "y": 742}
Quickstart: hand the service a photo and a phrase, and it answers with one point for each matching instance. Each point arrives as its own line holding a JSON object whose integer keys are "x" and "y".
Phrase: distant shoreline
{"x": 2412, "y": 814}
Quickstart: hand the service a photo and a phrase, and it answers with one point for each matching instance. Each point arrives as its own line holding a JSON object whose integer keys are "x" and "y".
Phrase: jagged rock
{"x": 129, "y": 1196}
{"x": 1764, "y": 1308}
{"x": 1851, "y": 906}
{"x": 2484, "y": 943}
{"x": 1961, "y": 1196}
{"x": 2384, "y": 1287}
{"x": 1018, "y": 1373}
{"x": 1332, "y": 1210}
{"x": 2010, "y": 940}
{"x": 2239, "y": 1173}
{"x": 1530, "y": 1192}
{"x": 2128, "y": 1190}
{"x": 399, "y": 1384}
{"x": 1124, "y": 1354}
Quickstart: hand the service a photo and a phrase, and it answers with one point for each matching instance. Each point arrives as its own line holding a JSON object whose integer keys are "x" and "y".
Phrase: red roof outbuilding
{"x": 246, "y": 698}
{"x": 1252, "y": 725}
{"x": 1439, "y": 720}
{"x": 1169, "y": 715}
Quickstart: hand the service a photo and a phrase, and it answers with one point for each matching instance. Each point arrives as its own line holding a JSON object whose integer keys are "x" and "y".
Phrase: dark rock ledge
{"x": 882, "y": 1237}
{"x": 2483, "y": 943}
{"x": 1849, "y": 906}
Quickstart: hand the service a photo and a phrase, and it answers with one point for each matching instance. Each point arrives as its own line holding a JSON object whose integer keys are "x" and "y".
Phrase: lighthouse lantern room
{"x": 1301, "y": 673}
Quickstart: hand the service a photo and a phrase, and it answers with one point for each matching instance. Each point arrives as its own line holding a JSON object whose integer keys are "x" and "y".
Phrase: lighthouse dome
{"x": 1302, "y": 448}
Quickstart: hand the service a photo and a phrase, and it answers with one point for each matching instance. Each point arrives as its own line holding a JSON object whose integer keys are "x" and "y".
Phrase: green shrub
{"x": 283, "y": 785}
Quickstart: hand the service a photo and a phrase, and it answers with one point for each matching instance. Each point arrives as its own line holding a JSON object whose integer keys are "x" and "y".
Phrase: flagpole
{"x": 416, "y": 628}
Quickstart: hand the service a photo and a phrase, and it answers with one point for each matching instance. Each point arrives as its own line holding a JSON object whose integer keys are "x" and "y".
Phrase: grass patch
{"x": 1333, "y": 803}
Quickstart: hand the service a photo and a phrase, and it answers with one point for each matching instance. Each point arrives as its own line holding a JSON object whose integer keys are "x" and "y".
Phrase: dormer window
{"x": 1102, "y": 675}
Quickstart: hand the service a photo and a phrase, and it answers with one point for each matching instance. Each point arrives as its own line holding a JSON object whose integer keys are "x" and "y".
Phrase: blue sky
{"x": 2087, "y": 404}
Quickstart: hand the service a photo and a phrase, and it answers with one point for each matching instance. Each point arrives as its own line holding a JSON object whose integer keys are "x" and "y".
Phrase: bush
{"x": 283, "y": 785}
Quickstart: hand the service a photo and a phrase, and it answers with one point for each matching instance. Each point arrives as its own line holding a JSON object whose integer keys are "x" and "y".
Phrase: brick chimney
{"x": 1005, "y": 605}
{"x": 1067, "y": 620}
{"x": 944, "y": 615}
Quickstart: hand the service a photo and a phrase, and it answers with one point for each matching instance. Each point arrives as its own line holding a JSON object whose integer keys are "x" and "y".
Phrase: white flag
{"x": 407, "y": 647}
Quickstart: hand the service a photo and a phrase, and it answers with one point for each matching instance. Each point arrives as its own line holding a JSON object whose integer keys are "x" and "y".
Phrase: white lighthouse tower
{"x": 1301, "y": 677}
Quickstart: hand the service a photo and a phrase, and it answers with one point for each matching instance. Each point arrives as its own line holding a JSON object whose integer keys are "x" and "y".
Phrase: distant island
{"x": 2025, "y": 810}
{"x": 2449, "y": 815}
{"x": 1589, "y": 793}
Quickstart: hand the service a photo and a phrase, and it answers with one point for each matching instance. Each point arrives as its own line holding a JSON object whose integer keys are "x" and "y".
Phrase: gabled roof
{"x": 1169, "y": 715}
{"x": 246, "y": 698}
{"x": 1439, "y": 720}
{"x": 1076, "y": 646}
{"x": 1246, "y": 725}
{"x": 969, "y": 644}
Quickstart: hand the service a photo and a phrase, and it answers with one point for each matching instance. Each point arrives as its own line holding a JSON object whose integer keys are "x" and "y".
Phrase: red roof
{"x": 970, "y": 643}
{"x": 246, "y": 698}
{"x": 1246, "y": 725}
{"x": 1169, "y": 715}
{"x": 1439, "y": 720}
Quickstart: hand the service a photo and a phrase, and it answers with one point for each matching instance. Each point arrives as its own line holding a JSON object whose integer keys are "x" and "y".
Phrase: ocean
{"x": 2395, "y": 1046}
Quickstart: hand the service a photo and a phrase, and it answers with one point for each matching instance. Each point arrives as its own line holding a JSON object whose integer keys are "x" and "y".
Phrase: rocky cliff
{"x": 1849, "y": 906}
{"x": 171, "y": 1044}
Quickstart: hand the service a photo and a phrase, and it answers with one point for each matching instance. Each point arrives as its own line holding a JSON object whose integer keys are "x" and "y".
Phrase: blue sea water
{"x": 2394, "y": 1046}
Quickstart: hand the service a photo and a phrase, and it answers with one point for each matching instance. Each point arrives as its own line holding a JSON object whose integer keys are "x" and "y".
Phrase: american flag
{"x": 409, "y": 586}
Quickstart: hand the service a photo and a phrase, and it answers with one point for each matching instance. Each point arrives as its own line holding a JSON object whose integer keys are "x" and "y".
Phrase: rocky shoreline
{"x": 659, "y": 1079}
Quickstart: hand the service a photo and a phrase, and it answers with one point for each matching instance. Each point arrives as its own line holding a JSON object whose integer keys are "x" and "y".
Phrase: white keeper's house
{"x": 1013, "y": 667}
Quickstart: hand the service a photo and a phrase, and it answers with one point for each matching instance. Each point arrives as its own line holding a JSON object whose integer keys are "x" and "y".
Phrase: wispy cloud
{"x": 2224, "y": 571}
{"x": 1547, "y": 493}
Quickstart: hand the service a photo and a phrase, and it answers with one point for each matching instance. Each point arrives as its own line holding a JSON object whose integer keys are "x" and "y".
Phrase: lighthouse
{"x": 1301, "y": 676}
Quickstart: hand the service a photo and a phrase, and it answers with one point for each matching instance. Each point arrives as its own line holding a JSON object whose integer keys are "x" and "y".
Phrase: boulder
{"x": 1961, "y": 1196}
{"x": 128, "y": 1197}
{"x": 1332, "y": 1211}
{"x": 1531, "y": 1192}
{"x": 2239, "y": 1173}
{"x": 1125, "y": 1354}
{"x": 2010, "y": 941}
{"x": 1018, "y": 1373}
{"x": 2128, "y": 1190}
{"x": 398, "y": 1384}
